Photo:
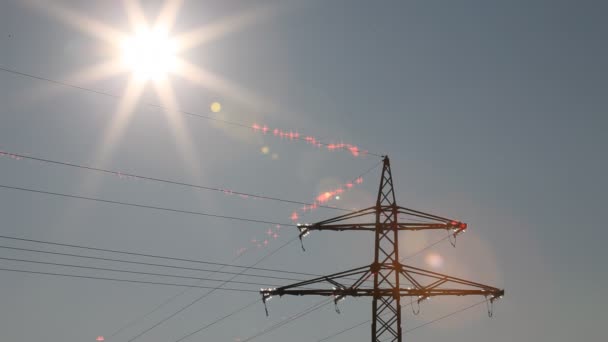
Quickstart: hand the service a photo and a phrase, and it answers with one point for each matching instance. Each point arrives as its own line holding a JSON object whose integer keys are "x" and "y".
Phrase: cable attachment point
{"x": 338, "y": 299}
{"x": 266, "y": 296}
{"x": 457, "y": 228}
{"x": 304, "y": 231}
{"x": 491, "y": 300}
{"x": 490, "y": 306}
{"x": 452, "y": 238}
{"x": 416, "y": 309}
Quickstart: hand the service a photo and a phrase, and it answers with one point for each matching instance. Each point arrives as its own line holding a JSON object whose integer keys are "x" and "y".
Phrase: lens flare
{"x": 434, "y": 260}
{"x": 310, "y": 140}
{"x": 216, "y": 107}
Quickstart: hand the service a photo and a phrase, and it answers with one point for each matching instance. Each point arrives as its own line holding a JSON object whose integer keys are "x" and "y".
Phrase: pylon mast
{"x": 387, "y": 270}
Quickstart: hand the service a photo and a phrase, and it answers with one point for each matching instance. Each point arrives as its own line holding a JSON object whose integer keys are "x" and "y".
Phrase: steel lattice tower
{"x": 387, "y": 270}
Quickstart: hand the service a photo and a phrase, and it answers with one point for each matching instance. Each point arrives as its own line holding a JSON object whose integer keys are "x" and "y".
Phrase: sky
{"x": 492, "y": 112}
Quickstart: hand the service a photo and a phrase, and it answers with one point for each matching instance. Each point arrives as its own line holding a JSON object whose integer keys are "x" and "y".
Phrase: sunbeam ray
{"x": 79, "y": 21}
{"x": 220, "y": 84}
{"x": 221, "y": 27}
{"x": 180, "y": 133}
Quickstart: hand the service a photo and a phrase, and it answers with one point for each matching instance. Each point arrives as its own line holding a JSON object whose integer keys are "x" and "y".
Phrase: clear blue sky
{"x": 493, "y": 112}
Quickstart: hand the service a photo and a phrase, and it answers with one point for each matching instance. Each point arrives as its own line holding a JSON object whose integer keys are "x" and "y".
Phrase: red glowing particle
{"x": 278, "y": 226}
{"x": 349, "y": 185}
{"x": 265, "y": 242}
{"x": 265, "y": 129}
{"x": 255, "y": 127}
{"x": 324, "y": 197}
{"x": 294, "y": 216}
{"x": 339, "y": 191}
{"x": 275, "y": 236}
{"x": 275, "y": 131}
{"x": 354, "y": 150}
{"x": 297, "y": 135}
{"x": 269, "y": 232}
{"x": 454, "y": 223}
{"x": 463, "y": 225}
{"x": 100, "y": 338}
{"x": 359, "y": 180}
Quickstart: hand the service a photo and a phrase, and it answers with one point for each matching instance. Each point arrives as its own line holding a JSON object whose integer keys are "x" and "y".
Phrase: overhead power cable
{"x": 145, "y": 263}
{"x": 199, "y": 213}
{"x": 148, "y": 256}
{"x": 127, "y": 280}
{"x": 201, "y": 297}
{"x": 166, "y": 181}
{"x": 128, "y": 271}
{"x": 150, "y": 104}
{"x": 445, "y": 316}
{"x": 290, "y": 319}
{"x": 250, "y": 304}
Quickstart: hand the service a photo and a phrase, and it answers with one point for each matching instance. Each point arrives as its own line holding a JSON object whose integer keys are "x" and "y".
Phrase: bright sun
{"x": 149, "y": 54}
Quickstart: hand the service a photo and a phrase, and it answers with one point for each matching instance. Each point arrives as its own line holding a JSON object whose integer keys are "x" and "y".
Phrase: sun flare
{"x": 149, "y": 54}
{"x": 148, "y": 51}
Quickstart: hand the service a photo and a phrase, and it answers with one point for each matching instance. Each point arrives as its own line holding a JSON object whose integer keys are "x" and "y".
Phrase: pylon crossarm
{"x": 332, "y": 279}
{"x": 403, "y": 292}
{"x": 372, "y": 226}
{"x": 352, "y": 215}
{"x": 418, "y": 274}
{"x": 417, "y": 213}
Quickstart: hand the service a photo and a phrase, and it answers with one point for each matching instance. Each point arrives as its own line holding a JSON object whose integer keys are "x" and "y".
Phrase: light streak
{"x": 308, "y": 139}
{"x": 322, "y": 199}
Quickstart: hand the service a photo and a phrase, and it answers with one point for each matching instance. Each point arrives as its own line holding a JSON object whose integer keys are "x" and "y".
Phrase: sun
{"x": 149, "y": 54}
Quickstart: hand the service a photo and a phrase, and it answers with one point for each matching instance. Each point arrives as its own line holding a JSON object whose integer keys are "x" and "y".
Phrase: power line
{"x": 146, "y": 263}
{"x": 128, "y": 271}
{"x": 445, "y": 316}
{"x": 148, "y": 256}
{"x": 144, "y": 206}
{"x": 150, "y": 104}
{"x": 201, "y": 297}
{"x": 278, "y": 325}
{"x": 209, "y": 292}
{"x": 154, "y": 179}
{"x": 426, "y": 247}
{"x": 219, "y": 320}
{"x": 127, "y": 280}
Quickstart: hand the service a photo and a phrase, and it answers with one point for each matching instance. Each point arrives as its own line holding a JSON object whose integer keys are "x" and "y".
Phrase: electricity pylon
{"x": 387, "y": 270}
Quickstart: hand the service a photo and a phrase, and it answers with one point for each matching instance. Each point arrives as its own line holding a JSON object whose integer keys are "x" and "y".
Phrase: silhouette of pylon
{"x": 388, "y": 273}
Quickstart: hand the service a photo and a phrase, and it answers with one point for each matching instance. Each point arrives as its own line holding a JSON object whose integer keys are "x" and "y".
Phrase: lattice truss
{"x": 386, "y": 280}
